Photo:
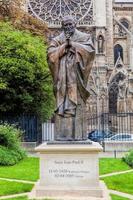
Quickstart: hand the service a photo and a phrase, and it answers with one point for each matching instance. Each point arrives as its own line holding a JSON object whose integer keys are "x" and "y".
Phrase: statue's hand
{"x": 70, "y": 45}
{"x": 67, "y": 43}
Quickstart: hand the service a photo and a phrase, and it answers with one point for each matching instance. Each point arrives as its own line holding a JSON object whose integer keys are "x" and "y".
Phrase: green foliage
{"x": 10, "y": 150}
{"x": 24, "y": 75}
{"x": 129, "y": 158}
{"x": 9, "y": 136}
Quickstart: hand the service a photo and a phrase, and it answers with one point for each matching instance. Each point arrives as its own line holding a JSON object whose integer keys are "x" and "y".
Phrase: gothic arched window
{"x": 118, "y": 51}
{"x": 113, "y": 96}
{"x": 125, "y": 23}
{"x": 114, "y": 92}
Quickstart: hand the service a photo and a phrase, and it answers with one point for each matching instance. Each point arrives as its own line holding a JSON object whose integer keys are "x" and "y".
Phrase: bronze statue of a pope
{"x": 70, "y": 57}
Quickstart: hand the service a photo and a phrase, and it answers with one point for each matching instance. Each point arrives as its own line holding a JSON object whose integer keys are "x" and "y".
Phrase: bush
{"x": 10, "y": 150}
{"x": 25, "y": 79}
{"x": 9, "y": 136}
{"x": 129, "y": 158}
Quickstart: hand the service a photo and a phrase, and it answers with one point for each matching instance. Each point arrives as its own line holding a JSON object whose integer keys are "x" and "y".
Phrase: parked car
{"x": 98, "y": 136}
{"x": 120, "y": 137}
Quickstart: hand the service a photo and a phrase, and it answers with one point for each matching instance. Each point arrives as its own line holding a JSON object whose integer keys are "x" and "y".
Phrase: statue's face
{"x": 69, "y": 28}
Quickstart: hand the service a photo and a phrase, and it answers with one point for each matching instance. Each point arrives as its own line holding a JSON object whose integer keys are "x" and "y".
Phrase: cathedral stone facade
{"x": 111, "y": 22}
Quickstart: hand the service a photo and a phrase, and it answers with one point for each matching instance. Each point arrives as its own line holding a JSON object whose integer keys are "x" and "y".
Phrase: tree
{"x": 12, "y": 10}
{"x": 25, "y": 81}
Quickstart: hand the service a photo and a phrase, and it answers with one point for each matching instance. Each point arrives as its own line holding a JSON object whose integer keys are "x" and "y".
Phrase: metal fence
{"x": 102, "y": 127}
{"x": 117, "y": 123}
{"x": 30, "y": 125}
{"x": 113, "y": 131}
{"x": 47, "y": 131}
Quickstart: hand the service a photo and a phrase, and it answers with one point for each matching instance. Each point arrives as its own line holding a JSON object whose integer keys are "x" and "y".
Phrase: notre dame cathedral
{"x": 111, "y": 22}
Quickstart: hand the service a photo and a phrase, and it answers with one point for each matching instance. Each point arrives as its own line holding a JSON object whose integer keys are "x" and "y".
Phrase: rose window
{"x": 52, "y": 11}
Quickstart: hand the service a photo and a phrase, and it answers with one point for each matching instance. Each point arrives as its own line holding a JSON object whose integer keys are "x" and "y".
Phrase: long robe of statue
{"x": 70, "y": 68}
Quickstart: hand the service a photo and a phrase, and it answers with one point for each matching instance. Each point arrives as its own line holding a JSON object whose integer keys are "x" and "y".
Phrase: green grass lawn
{"x": 121, "y": 182}
{"x": 18, "y": 198}
{"x": 10, "y": 187}
{"x": 115, "y": 197}
{"x": 109, "y": 165}
{"x": 27, "y": 169}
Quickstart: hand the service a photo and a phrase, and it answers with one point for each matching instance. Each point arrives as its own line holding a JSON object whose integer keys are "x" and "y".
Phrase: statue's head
{"x": 68, "y": 25}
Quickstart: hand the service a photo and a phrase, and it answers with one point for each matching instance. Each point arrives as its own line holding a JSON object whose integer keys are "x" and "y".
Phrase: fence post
{"x": 114, "y": 153}
{"x": 102, "y": 126}
{"x": 39, "y": 131}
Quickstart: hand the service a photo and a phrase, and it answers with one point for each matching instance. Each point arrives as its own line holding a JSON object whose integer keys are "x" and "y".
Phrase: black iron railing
{"x": 111, "y": 127}
{"x": 29, "y": 124}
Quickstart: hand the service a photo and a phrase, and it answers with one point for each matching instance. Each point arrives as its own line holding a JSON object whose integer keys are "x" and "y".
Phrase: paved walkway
{"x": 16, "y": 180}
{"x": 91, "y": 198}
{"x": 116, "y": 173}
{"x": 59, "y": 198}
{"x": 122, "y": 194}
{"x": 14, "y": 195}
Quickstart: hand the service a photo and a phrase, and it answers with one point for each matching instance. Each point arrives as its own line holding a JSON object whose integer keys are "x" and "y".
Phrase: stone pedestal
{"x": 69, "y": 171}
